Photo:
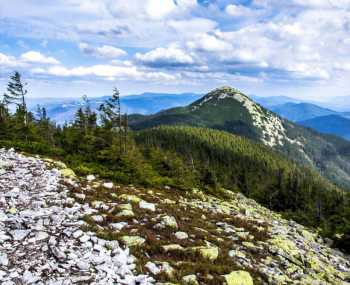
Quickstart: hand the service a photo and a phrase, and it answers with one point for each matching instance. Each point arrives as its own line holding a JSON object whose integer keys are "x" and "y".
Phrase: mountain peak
{"x": 218, "y": 94}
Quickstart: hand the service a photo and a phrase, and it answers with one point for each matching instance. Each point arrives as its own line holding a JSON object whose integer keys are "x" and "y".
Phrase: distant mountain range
{"x": 307, "y": 114}
{"x": 332, "y": 124}
{"x": 269, "y": 102}
{"x": 301, "y": 111}
{"x": 63, "y": 110}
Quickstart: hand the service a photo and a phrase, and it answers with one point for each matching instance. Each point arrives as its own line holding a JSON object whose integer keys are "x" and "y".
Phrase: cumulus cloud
{"x": 104, "y": 72}
{"x": 209, "y": 43}
{"x": 238, "y": 11}
{"x": 8, "y": 61}
{"x": 37, "y": 57}
{"x": 260, "y": 39}
{"x": 105, "y": 51}
{"x": 165, "y": 57}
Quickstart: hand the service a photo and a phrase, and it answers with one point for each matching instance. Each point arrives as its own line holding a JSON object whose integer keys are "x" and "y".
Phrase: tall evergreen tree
{"x": 16, "y": 93}
{"x": 110, "y": 111}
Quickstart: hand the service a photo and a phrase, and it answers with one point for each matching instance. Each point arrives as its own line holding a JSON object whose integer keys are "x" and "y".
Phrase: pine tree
{"x": 4, "y": 113}
{"x": 110, "y": 111}
{"x": 111, "y": 117}
{"x": 16, "y": 93}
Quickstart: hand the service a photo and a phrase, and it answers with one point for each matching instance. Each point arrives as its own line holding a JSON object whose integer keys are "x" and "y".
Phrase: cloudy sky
{"x": 298, "y": 48}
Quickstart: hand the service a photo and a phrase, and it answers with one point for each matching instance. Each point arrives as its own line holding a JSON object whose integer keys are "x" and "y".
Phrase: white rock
{"x": 29, "y": 278}
{"x": 97, "y": 218}
{"x": 118, "y": 226}
{"x": 41, "y": 236}
{"x": 90, "y": 177}
{"x": 153, "y": 268}
{"x": 19, "y": 234}
{"x": 108, "y": 185}
{"x": 181, "y": 235}
{"x": 80, "y": 196}
{"x": 4, "y": 259}
{"x": 148, "y": 206}
{"x": 84, "y": 238}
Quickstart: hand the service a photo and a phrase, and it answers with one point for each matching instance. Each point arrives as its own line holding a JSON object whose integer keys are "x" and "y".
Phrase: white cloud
{"x": 104, "y": 51}
{"x": 165, "y": 57}
{"x": 238, "y": 11}
{"x": 37, "y": 57}
{"x": 104, "y": 71}
{"x": 209, "y": 43}
{"x": 158, "y": 9}
{"x": 8, "y": 61}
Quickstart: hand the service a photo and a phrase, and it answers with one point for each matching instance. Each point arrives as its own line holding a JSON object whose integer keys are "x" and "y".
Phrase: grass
{"x": 190, "y": 219}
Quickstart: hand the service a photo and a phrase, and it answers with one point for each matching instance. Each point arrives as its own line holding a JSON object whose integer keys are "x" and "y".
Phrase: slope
{"x": 95, "y": 229}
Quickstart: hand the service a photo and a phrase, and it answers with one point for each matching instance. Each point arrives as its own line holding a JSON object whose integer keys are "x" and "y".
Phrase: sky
{"x": 68, "y": 48}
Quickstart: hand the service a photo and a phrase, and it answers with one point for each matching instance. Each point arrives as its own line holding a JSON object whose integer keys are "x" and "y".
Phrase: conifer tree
{"x": 16, "y": 93}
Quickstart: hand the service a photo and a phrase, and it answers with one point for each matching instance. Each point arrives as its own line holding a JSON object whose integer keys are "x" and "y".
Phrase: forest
{"x": 180, "y": 157}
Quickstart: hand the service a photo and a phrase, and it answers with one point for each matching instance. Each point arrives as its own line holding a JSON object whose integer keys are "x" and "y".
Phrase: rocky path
{"x": 40, "y": 237}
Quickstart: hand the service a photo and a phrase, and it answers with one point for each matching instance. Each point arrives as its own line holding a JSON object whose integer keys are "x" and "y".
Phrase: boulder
{"x": 68, "y": 173}
{"x": 190, "y": 280}
{"x": 131, "y": 241}
{"x": 239, "y": 278}
{"x": 147, "y": 206}
{"x": 207, "y": 252}
{"x": 181, "y": 235}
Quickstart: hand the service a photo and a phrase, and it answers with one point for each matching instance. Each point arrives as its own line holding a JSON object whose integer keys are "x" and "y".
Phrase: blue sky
{"x": 67, "y": 48}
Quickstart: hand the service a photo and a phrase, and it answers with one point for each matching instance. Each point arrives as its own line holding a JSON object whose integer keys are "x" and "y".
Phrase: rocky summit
{"x": 56, "y": 228}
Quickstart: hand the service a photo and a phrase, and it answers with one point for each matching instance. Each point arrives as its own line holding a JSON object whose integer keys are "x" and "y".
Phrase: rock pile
{"x": 40, "y": 237}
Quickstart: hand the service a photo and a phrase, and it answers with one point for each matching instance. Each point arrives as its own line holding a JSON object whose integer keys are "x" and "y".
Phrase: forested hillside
{"x": 229, "y": 109}
{"x": 180, "y": 157}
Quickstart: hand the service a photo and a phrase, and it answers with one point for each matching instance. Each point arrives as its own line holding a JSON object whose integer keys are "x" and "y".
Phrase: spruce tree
{"x": 16, "y": 93}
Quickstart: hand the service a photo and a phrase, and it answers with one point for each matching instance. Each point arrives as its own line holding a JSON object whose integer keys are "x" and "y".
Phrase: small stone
{"x": 147, "y": 206}
{"x": 169, "y": 221}
{"x": 78, "y": 233}
{"x": 130, "y": 198}
{"x": 29, "y": 278}
{"x": 3, "y": 259}
{"x": 133, "y": 240}
{"x": 153, "y": 268}
{"x": 239, "y": 278}
{"x": 172, "y": 247}
{"x": 90, "y": 177}
{"x": 126, "y": 213}
{"x": 83, "y": 265}
{"x": 19, "y": 234}
{"x": 84, "y": 238}
{"x": 118, "y": 226}
{"x": 12, "y": 211}
{"x": 97, "y": 218}
{"x": 80, "y": 196}
{"x": 210, "y": 253}
{"x": 190, "y": 280}
{"x": 41, "y": 236}
{"x": 181, "y": 235}
{"x": 108, "y": 185}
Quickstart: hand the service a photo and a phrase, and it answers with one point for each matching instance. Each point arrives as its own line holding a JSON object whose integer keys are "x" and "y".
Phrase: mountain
{"x": 301, "y": 111}
{"x": 228, "y": 109}
{"x": 272, "y": 101}
{"x": 332, "y": 124}
{"x": 63, "y": 109}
